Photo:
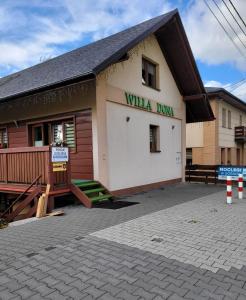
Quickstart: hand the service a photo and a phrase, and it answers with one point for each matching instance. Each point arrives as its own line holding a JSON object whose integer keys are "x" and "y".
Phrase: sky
{"x": 32, "y": 31}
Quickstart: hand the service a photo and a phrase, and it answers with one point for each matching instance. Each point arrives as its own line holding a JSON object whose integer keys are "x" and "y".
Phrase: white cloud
{"x": 38, "y": 29}
{"x": 213, "y": 83}
{"x": 50, "y": 27}
{"x": 208, "y": 40}
{"x": 240, "y": 92}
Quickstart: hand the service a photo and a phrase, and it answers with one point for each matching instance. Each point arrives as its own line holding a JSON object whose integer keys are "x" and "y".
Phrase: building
{"x": 120, "y": 104}
{"x": 221, "y": 141}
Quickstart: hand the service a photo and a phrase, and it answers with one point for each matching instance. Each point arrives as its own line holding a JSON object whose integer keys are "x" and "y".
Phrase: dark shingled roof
{"x": 86, "y": 62}
{"x": 226, "y": 96}
{"x": 90, "y": 59}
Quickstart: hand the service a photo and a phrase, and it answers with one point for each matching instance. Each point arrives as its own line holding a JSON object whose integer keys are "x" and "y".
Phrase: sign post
{"x": 240, "y": 186}
{"x": 228, "y": 190}
{"x": 59, "y": 158}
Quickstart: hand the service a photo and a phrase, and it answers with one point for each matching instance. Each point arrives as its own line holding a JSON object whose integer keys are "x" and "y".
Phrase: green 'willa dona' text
{"x": 146, "y": 104}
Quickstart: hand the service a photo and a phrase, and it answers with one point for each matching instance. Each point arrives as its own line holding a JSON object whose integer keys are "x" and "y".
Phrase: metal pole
{"x": 228, "y": 190}
{"x": 240, "y": 186}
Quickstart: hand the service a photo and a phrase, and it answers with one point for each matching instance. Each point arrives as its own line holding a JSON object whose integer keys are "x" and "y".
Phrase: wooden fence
{"x": 202, "y": 173}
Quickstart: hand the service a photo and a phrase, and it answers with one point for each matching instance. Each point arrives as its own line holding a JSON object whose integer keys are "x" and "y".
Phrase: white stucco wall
{"x": 194, "y": 135}
{"x": 126, "y": 152}
{"x": 130, "y": 161}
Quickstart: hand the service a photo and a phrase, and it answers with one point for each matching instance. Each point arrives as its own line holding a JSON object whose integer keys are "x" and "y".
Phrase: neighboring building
{"x": 221, "y": 141}
{"x": 121, "y": 105}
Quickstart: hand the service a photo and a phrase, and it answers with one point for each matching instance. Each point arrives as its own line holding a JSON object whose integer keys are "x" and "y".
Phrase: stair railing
{"x": 35, "y": 181}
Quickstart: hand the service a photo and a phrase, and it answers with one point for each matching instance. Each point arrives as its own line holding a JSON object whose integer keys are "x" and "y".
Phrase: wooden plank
{"x": 46, "y": 198}
{"x": 201, "y": 167}
{"x": 40, "y": 208}
{"x": 201, "y": 173}
{"x": 201, "y": 179}
{"x": 24, "y": 204}
{"x": 24, "y": 149}
{"x": 81, "y": 196}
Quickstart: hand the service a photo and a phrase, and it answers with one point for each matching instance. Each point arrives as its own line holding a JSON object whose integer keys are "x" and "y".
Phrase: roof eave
{"x": 117, "y": 55}
{"x": 229, "y": 98}
{"x": 85, "y": 77}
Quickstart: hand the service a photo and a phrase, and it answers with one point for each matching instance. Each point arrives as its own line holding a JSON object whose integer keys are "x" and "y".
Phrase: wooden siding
{"x": 81, "y": 159}
{"x": 17, "y": 137}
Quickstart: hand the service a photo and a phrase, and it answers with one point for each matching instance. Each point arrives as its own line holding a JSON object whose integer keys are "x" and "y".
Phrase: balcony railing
{"x": 240, "y": 134}
{"x": 22, "y": 165}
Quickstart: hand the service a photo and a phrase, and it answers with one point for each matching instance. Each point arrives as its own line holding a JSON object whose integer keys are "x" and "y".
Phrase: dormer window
{"x": 148, "y": 73}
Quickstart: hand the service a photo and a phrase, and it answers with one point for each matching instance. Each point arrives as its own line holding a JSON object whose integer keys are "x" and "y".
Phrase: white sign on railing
{"x": 59, "y": 154}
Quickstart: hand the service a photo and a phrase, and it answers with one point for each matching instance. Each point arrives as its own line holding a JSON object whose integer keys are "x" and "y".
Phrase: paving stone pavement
{"x": 205, "y": 232}
{"x": 78, "y": 220}
{"x": 93, "y": 268}
{"x": 61, "y": 260}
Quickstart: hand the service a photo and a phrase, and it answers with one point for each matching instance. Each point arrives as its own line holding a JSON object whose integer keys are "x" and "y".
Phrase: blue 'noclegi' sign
{"x": 233, "y": 171}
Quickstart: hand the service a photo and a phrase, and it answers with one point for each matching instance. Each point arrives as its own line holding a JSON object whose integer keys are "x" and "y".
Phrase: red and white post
{"x": 228, "y": 190}
{"x": 240, "y": 186}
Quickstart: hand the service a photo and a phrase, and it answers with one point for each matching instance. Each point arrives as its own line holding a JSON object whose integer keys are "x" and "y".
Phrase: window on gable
{"x": 149, "y": 73}
{"x": 3, "y": 138}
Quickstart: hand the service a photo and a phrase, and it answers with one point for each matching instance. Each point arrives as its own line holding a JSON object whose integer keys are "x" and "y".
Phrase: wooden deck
{"x": 24, "y": 175}
{"x": 20, "y": 188}
{"x": 19, "y": 167}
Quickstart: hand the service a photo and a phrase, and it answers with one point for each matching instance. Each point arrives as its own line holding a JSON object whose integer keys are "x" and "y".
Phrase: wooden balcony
{"x": 240, "y": 134}
{"x": 20, "y": 166}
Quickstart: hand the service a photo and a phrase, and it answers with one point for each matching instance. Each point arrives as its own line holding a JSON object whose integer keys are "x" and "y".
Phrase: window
{"x": 229, "y": 119}
{"x": 224, "y": 117}
{"x": 229, "y": 156}
{"x": 238, "y": 157}
{"x": 3, "y": 138}
{"x": 69, "y": 131}
{"x": 149, "y": 73}
{"x": 58, "y": 132}
{"x": 154, "y": 138}
{"x": 240, "y": 120}
{"x": 189, "y": 156}
{"x": 222, "y": 156}
{"x": 38, "y": 136}
{"x": 64, "y": 132}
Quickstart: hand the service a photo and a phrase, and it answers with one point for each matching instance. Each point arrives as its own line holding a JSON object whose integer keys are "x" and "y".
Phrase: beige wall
{"x": 226, "y": 135}
{"x": 216, "y": 137}
{"x": 125, "y": 153}
{"x": 127, "y": 76}
{"x": 66, "y": 99}
{"x": 194, "y": 135}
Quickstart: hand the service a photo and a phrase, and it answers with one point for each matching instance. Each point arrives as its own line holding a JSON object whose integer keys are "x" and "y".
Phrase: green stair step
{"x": 100, "y": 198}
{"x": 94, "y": 191}
{"x": 86, "y": 184}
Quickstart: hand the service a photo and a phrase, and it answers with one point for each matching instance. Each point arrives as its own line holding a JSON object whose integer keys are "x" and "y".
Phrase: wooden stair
{"x": 30, "y": 202}
{"x": 90, "y": 192}
{"x": 15, "y": 214}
